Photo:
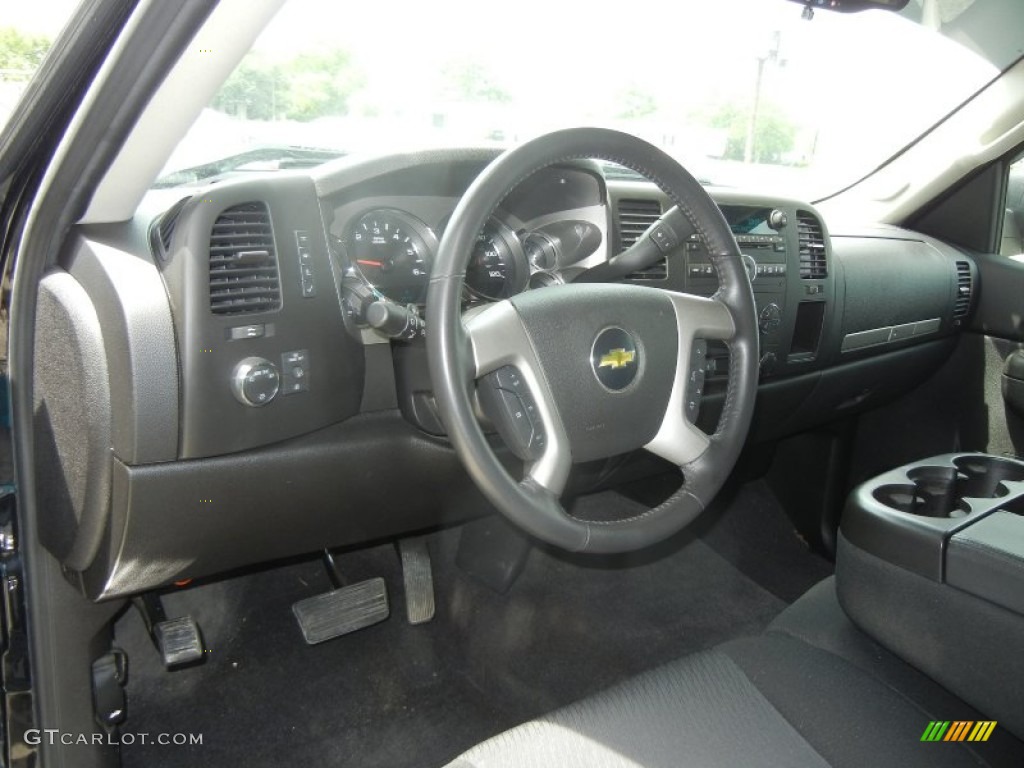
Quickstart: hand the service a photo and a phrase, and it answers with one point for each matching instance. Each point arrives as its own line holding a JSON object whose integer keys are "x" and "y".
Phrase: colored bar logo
{"x": 959, "y": 730}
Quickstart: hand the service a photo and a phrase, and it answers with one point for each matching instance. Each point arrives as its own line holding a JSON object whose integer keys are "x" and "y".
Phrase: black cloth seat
{"x": 811, "y": 691}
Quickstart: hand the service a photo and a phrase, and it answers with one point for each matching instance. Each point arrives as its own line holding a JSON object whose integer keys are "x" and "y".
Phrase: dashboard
{"x": 251, "y": 353}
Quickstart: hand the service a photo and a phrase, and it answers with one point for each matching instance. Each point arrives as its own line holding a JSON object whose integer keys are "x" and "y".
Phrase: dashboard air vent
{"x": 962, "y": 305}
{"x": 812, "y": 246}
{"x": 634, "y": 217}
{"x": 243, "y": 263}
{"x": 162, "y": 230}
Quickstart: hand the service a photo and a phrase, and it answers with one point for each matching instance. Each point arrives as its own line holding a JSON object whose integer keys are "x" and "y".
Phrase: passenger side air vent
{"x": 812, "y": 246}
{"x": 962, "y": 305}
{"x": 243, "y": 263}
{"x": 163, "y": 229}
{"x": 634, "y": 217}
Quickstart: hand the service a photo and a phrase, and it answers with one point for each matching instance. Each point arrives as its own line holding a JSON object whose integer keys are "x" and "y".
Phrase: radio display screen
{"x": 747, "y": 220}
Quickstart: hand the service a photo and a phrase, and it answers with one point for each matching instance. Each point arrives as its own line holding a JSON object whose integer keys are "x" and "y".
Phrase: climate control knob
{"x": 770, "y": 318}
{"x": 255, "y": 381}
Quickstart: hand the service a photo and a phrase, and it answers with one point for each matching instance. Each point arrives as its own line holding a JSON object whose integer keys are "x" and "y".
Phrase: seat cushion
{"x": 772, "y": 700}
{"x": 700, "y": 711}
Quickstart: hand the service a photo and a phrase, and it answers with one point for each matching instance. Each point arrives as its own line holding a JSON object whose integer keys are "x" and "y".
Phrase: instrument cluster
{"x": 393, "y": 252}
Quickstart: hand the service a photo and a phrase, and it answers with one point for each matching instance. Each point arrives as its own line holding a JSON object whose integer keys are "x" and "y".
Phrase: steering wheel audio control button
{"x": 517, "y": 416}
{"x": 507, "y": 402}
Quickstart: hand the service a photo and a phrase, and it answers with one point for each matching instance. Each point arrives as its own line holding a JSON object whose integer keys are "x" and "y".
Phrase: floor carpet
{"x": 398, "y": 695}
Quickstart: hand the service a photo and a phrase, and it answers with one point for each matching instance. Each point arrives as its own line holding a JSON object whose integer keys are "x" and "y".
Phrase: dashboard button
{"x": 247, "y": 332}
{"x": 295, "y": 371}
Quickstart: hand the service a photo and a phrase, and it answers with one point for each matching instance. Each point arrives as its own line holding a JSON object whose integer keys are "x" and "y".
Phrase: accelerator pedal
{"x": 419, "y": 579}
{"x": 341, "y": 611}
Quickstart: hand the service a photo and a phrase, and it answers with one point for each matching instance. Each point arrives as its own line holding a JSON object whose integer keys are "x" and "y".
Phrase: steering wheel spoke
{"x": 679, "y": 440}
{"x": 506, "y": 364}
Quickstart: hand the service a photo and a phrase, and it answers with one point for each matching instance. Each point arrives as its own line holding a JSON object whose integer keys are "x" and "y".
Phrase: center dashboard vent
{"x": 634, "y": 217}
{"x": 813, "y": 265}
{"x": 244, "y": 275}
{"x": 964, "y": 289}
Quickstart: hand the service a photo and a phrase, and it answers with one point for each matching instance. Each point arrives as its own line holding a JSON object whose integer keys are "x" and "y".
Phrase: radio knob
{"x": 770, "y": 318}
{"x": 778, "y": 219}
{"x": 255, "y": 381}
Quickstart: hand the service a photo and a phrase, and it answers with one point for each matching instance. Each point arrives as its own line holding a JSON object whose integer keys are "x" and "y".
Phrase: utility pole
{"x": 771, "y": 55}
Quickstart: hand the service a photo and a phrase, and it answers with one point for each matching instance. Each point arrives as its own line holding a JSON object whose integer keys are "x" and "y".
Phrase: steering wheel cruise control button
{"x": 695, "y": 383}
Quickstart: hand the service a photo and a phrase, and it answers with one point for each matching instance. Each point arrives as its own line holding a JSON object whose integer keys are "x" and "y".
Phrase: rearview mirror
{"x": 851, "y": 6}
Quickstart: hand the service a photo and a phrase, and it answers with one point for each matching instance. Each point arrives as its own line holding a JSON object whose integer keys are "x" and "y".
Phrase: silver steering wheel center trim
{"x": 679, "y": 440}
{"x": 498, "y": 338}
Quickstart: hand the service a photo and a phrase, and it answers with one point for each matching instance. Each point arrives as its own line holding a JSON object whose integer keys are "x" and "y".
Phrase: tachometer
{"x": 393, "y": 251}
{"x": 498, "y": 267}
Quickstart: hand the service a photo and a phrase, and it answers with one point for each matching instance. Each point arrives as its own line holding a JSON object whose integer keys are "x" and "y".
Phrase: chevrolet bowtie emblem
{"x": 617, "y": 358}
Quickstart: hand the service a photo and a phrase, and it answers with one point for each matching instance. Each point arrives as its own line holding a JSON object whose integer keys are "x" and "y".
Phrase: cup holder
{"x": 935, "y": 492}
{"x": 984, "y": 476}
{"x": 942, "y": 492}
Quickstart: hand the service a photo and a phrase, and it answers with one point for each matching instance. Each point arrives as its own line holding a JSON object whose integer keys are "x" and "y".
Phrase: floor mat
{"x": 749, "y": 528}
{"x": 396, "y": 695}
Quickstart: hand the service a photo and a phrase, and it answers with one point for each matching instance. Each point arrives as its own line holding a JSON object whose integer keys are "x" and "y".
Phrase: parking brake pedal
{"x": 419, "y": 580}
{"x": 178, "y": 640}
{"x": 341, "y": 611}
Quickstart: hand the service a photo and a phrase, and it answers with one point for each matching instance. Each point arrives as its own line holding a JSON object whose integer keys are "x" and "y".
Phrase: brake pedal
{"x": 341, "y": 611}
{"x": 418, "y": 577}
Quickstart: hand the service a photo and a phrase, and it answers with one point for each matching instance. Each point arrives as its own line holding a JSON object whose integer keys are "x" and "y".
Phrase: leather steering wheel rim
{"x": 454, "y": 352}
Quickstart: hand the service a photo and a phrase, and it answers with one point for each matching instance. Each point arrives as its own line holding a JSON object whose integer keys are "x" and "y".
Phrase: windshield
{"x": 746, "y": 93}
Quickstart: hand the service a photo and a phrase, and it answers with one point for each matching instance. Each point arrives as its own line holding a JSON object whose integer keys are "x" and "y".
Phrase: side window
{"x": 1012, "y": 243}
{"x": 27, "y": 31}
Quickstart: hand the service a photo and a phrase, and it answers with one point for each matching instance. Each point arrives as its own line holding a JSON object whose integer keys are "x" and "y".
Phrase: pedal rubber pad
{"x": 341, "y": 611}
{"x": 178, "y": 641}
{"x": 419, "y": 580}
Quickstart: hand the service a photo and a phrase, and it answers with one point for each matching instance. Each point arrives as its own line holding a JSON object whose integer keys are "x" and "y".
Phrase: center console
{"x": 931, "y": 563}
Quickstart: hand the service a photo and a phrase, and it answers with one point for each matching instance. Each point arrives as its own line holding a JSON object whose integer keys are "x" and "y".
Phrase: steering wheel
{"x": 588, "y": 371}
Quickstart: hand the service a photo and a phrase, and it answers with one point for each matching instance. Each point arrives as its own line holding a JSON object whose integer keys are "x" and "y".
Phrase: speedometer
{"x": 393, "y": 251}
{"x": 498, "y": 267}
